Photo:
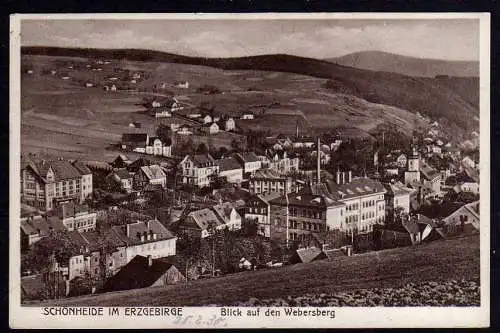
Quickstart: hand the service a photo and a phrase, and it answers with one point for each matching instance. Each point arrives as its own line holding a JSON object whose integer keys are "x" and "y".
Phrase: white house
{"x": 211, "y": 129}
{"x": 247, "y": 116}
{"x": 249, "y": 161}
{"x": 198, "y": 170}
{"x": 230, "y": 125}
{"x": 149, "y": 238}
{"x": 150, "y": 174}
{"x": 156, "y": 147}
{"x": 465, "y": 218}
{"x": 230, "y": 169}
{"x": 207, "y": 119}
{"x": 228, "y": 215}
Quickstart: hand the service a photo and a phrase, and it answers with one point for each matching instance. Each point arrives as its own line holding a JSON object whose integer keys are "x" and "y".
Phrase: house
{"x": 44, "y": 183}
{"x": 123, "y": 178}
{"x": 35, "y": 228}
{"x": 146, "y": 238}
{"x": 139, "y": 163}
{"x": 247, "y": 116}
{"x": 184, "y": 130}
{"x": 401, "y": 160}
{"x": 397, "y": 195}
{"x": 259, "y": 209}
{"x": 282, "y": 162}
{"x": 463, "y": 220}
{"x": 121, "y": 161}
{"x": 144, "y": 272}
{"x": 134, "y": 140}
{"x": 182, "y": 84}
{"x": 431, "y": 178}
{"x": 323, "y": 157}
{"x": 267, "y": 181}
{"x": 198, "y": 170}
{"x": 346, "y": 203}
{"x": 87, "y": 258}
{"x": 308, "y": 254}
{"x": 229, "y": 124}
{"x": 74, "y": 216}
{"x": 150, "y": 174}
{"x": 230, "y": 169}
{"x": 89, "y": 84}
{"x": 249, "y": 161}
{"x": 86, "y": 180}
{"x": 198, "y": 223}
{"x": 228, "y": 215}
{"x": 211, "y": 129}
{"x": 155, "y": 146}
{"x": 113, "y": 88}
{"x": 207, "y": 119}
{"x": 467, "y": 162}
{"x": 467, "y": 181}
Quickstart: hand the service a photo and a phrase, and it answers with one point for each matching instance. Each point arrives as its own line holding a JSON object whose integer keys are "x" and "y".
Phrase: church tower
{"x": 412, "y": 173}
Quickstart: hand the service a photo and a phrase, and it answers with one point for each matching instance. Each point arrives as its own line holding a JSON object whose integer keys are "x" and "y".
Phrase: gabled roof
{"x": 69, "y": 209}
{"x": 308, "y": 254}
{"x": 247, "y": 157}
{"x": 153, "y": 171}
{"x": 129, "y": 233}
{"x": 203, "y": 218}
{"x": 62, "y": 169}
{"x": 428, "y": 172}
{"x": 82, "y": 168}
{"x": 223, "y": 211}
{"x": 41, "y": 226}
{"x": 135, "y": 137}
{"x": 122, "y": 173}
{"x": 200, "y": 161}
{"x": 229, "y": 163}
{"x": 138, "y": 274}
{"x": 267, "y": 174}
{"x": 358, "y": 186}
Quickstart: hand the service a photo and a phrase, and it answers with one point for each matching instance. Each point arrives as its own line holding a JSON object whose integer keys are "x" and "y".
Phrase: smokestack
{"x": 318, "y": 161}
{"x": 337, "y": 178}
{"x": 349, "y": 176}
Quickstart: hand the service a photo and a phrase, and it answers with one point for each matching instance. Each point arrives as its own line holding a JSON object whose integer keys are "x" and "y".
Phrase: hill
{"x": 395, "y": 63}
{"x": 436, "y": 261}
{"x": 409, "y": 93}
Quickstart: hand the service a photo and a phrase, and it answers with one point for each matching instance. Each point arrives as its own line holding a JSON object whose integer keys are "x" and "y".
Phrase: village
{"x": 174, "y": 206}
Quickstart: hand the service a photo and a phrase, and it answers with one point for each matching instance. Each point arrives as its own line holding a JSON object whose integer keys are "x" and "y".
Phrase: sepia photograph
{"x": 308, "y": 164}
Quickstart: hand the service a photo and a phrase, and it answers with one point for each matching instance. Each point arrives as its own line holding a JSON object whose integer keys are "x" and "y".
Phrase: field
{"x": 437, "y": 261}
{"x": 64, "y": 118}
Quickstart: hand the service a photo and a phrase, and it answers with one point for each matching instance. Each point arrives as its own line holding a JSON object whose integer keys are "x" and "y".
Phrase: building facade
{"x": 198, "y": 170}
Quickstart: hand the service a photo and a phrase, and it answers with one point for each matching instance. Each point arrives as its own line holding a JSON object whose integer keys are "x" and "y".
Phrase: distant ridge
{"x": 411, "y": 66}
{"x": 424, "y": 95}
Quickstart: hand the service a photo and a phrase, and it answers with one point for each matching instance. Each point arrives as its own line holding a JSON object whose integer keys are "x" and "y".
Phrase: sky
{"x": 449, "y": 39}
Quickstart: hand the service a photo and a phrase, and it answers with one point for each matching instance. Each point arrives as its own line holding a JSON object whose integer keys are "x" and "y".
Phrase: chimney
{"x": 337, "y": 178}
{"x": 349, "y": 176}
{"x": 342, "y": 175}
{"x": 318, "y": 163}
{"x": 150, "y": 260}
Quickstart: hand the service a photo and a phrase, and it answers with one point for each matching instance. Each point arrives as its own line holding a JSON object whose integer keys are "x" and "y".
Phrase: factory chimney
{"x": 318, "y": 162}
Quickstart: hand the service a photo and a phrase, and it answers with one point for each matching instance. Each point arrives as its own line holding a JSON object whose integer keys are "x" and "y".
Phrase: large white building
{"x": 198, "y": 170}
{"x": 44, "y": 183}
{"x": 347, "y": 204}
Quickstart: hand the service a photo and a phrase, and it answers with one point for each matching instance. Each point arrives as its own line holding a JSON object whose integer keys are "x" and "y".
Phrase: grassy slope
{"x": 398, "y": 90}
{"x": 63, "y": 118}
{"x": 440, "y": 260}
{"x": 389, "y": 62}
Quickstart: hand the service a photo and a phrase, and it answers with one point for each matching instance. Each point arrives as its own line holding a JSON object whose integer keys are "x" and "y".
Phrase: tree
{"x": 57, "y": 245}
{"x": 202, "y": 148}
{"x": 164, "y": 133}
